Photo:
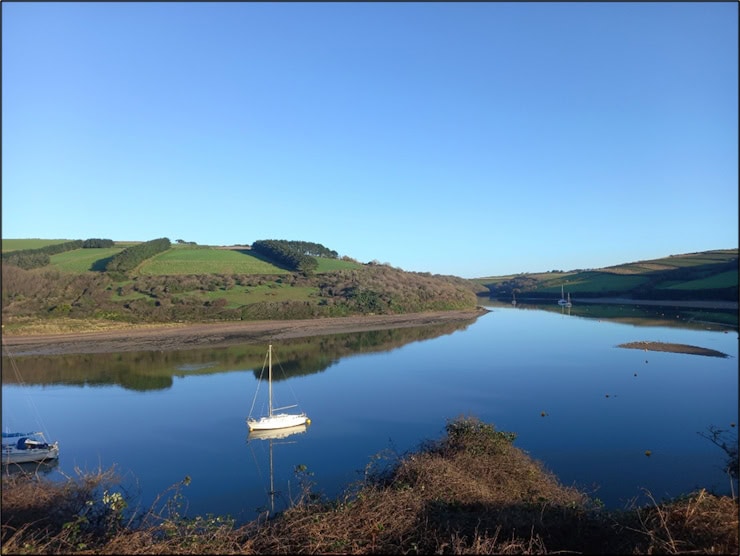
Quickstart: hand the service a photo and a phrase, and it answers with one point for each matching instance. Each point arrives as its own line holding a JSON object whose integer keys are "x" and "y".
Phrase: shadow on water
{"x": 31, "y": 468}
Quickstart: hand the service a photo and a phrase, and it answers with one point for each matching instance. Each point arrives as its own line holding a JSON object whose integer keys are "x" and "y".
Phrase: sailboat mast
{"x": 272, "y": 483}
{"x": 269, "y": 377}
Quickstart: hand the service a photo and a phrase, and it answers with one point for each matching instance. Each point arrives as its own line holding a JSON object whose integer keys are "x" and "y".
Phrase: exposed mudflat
{"x": 218, "y": 334}
{"x": 674, "y": 348}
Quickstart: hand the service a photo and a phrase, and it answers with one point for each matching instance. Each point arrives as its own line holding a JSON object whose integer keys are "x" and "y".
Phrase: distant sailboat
{"x": 563, "y": 302}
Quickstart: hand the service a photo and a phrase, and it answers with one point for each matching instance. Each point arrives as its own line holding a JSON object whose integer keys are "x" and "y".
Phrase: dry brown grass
{"x": 700, "y": 523}
{"x": 29, "y": 326}
{"x": 472, "y": 492}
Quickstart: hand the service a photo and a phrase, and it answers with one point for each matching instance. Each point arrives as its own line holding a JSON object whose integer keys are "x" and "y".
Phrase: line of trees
{"x": 95, "y": 243}
{"x": 133, "y": 256}
{"x": 292, "y": 255}
{"x": 312, "y": 249}
{"x": 39, "y": 257}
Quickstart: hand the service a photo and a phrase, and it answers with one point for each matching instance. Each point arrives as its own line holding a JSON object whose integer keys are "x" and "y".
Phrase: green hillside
{"x": 181, "y": 259}
{"x": 696, "y": 276}
{"x": 62, "y": 285}
{"x": 83, "y": 260}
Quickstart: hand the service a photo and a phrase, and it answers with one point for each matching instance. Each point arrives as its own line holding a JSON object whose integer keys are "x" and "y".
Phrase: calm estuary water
{"x": 585, "y": 408}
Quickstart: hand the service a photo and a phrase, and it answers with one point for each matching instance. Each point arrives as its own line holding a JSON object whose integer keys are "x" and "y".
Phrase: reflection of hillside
{"x": 152, "y": 370}
{"x": 640, "y": 315}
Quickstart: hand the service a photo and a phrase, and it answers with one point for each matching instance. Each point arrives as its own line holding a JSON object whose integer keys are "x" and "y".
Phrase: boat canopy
{"x": 19, "y": 434}
{"x": 26, "y": 443}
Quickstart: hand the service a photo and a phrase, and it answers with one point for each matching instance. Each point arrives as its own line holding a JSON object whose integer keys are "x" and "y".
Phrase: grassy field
{"x": 179, "y": 260}
{"x": 722, "y": 280}
{"x": 83, "y": 260}
{"x": 674, "y": 262}
{"x": 9, "y": 245}
{"x": 590, "y": 282}
{"x": 188, "y": 260}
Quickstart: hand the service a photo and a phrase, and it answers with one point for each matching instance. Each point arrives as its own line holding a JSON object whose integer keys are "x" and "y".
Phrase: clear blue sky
{"x": 472, "y": 139}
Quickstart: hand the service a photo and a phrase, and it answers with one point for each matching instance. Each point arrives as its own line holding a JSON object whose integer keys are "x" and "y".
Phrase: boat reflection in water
{"x": 31, "y": 468}
{"x": 273, "y": 435}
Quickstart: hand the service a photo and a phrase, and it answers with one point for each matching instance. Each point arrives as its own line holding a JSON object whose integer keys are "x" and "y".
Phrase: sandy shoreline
{"x": 219, "y": 334}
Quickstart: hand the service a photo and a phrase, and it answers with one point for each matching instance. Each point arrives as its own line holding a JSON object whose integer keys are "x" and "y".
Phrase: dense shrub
{"x": 26, "y": 259}
{"x": 97, "y": 243}
{"x": 381, "y": 289}
{"x": 112, "y": 295}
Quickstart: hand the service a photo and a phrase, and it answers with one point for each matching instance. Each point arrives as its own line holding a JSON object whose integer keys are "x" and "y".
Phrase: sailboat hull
{"x": 276, "y": 434}
{"x": 12, "y": 454}
{"x": 278, "y": 421}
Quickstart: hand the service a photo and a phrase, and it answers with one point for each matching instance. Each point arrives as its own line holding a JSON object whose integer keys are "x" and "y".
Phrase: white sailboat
{"x": 274, "y": 420}
{"x": 28, "y": 447}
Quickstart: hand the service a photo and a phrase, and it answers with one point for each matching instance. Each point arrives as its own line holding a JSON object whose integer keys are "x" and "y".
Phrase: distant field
{"x": 539, "y": 276}
{"x": 198, "y": 260}
{"x": 585, "y": 281}
{"x": 722, "y": 280}
{"x": 593, "y": 282}
{"x": 704, "y": 275}
{"x": 18, "y": 244}
{"x": 676, "y": 261}
{"x": 181, "y": 259}
{"x": 639, "y": 267}
{"x": 9, "y": 245}
{"x": 83, "y": 260}
{"x": 195, "y": 260}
